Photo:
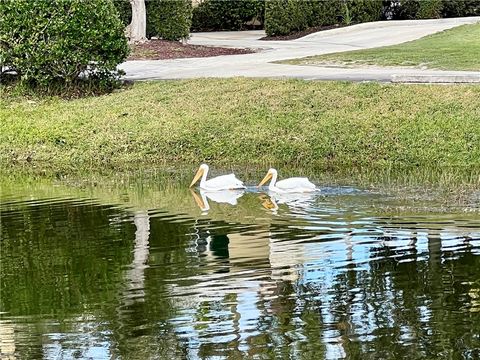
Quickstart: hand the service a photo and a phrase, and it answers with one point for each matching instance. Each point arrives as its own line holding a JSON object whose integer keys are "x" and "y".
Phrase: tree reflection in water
{"x": 81, "y": 279}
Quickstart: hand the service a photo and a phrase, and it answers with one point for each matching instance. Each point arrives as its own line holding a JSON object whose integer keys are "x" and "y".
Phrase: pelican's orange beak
{"x": 197, "y": 176}
{"x": 265, "y": 179}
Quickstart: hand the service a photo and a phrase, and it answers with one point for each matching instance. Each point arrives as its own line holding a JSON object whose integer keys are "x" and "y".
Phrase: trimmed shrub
{"x": 55, "y": 41}
{"x": 277, "y": 20}
{"x": 418, "y": 9}
{"x": 459, "y": 8}
{"x": 365, "y": 10}
{"x": 215, "y": 15}
{"x": 429, "y": 9}
{"x": 169, "y": 19}
{"x": 124, "y": 9}
{"x": 405, "y": 9}
{"x": 283, "y": 17}
{"x": 326, "y": 12}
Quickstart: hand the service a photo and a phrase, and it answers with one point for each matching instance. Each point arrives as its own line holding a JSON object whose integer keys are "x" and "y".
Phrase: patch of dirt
{"x": 299, "y": 34}
{"x": 163, "y": 49}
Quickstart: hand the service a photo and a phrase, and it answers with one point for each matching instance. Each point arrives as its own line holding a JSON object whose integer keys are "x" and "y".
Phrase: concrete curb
{"x": 436, "y": 79}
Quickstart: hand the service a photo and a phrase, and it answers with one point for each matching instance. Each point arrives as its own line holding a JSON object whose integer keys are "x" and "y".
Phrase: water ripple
{"x": 270, "y": 277}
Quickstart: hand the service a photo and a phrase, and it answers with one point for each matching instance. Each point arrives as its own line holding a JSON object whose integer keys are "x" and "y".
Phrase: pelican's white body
{"x": 290, "y": 185}
{"x": 223, "y": 182}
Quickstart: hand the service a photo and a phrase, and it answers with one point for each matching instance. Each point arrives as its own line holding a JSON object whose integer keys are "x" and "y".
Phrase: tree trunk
{"x": 137, "y": 29}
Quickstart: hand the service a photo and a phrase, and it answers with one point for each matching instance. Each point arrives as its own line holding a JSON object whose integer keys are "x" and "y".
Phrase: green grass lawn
{"x": 246, "y": 121}
{"x": 453, "y": 49}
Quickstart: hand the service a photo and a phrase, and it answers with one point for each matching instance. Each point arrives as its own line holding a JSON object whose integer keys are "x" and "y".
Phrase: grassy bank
{"x": 453, "y": 49}
{"x": 244, "y": 121}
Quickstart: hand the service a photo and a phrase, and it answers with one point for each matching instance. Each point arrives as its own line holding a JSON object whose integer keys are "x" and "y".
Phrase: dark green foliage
{"x": 214, "y": 15}
{"x": 405, "y": 9}
{"x": 53, "y": 42}
{"x": 277, "y": 20}
{"x": 325, "y": 12}
{"x": 365, "y": 10}
{"x": 458, "y": 8}
{"x": 283, "y": 17}
{"x": 124, "y": 9}
{"x": 429, "y": 9}
{"x": 169, "y": 19}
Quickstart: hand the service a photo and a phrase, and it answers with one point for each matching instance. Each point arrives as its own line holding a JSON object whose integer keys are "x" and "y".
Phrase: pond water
{"x": 144, "y": 268}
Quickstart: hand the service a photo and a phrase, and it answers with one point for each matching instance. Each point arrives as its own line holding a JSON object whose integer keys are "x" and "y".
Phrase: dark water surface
{"x": 146, "y": 269}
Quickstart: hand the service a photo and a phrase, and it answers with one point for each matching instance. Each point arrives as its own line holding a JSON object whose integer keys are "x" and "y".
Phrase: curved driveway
{"x": 259, "y": 64}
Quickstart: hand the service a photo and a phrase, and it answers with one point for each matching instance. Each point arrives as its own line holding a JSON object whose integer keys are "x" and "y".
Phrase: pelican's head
{"x": 201, "y": 170}
{"x": 269, "y": 175}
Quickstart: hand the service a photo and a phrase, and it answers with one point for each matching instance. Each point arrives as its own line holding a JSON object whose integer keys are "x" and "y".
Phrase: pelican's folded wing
{"x": 295, "y": 183}
{"x": 224, "y": 182}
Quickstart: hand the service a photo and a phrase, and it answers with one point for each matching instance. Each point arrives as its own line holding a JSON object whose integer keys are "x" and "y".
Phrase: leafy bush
{"x": 169, "y": 19}
{"x": 365, "y": 10}
{"x": 458, "y": 8}
{"x": 277, "y": 21}
{"x": 326, "y": 12}
{"x": 124, "y": 9}
{"x": 55, "y": 41}
{"x": 432, "y": 9}
{"x": 283, "y": 17}
{"x": 214, "y": 15}
{"x": 429, "y": 9}
{"x": 404, "y": 9}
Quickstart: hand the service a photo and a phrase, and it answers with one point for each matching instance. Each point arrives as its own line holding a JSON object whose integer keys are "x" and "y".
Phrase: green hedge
{"x": 216, "y": 15}
{"x": 169, "y": 19}
{"x": 458, "y": 8}
{"x": 365, "y": 10}
{"x": 431, "y": 9}
{"x": 283, "y": 17}
{"x": 124, "y": 9}
{"x": 54, "y": 41}
{"x": 417, "y": 9}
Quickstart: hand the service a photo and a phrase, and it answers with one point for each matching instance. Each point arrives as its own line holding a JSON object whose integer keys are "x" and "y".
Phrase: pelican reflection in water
{"x": 297, "y": 201}
{"x": 218, "y": 196}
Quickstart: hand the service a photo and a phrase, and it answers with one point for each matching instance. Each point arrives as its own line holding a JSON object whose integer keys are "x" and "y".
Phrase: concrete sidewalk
{"x": 361, "y": 36}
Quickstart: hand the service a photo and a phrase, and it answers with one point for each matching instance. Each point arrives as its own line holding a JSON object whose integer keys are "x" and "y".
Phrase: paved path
{"x": 259, "y": 64}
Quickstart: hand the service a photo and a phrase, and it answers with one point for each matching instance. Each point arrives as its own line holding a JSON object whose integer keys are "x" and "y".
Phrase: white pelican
{"x": 290, "y": 185}
{"x": 224, "y": 182}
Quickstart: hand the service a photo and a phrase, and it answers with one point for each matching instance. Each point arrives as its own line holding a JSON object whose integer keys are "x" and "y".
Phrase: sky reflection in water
{"x": 234, "y": 275}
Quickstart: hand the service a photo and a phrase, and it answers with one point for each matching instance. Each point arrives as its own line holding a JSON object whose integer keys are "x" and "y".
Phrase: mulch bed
{"x": 162, "y": 49}
{"x": 303, "y": 33}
